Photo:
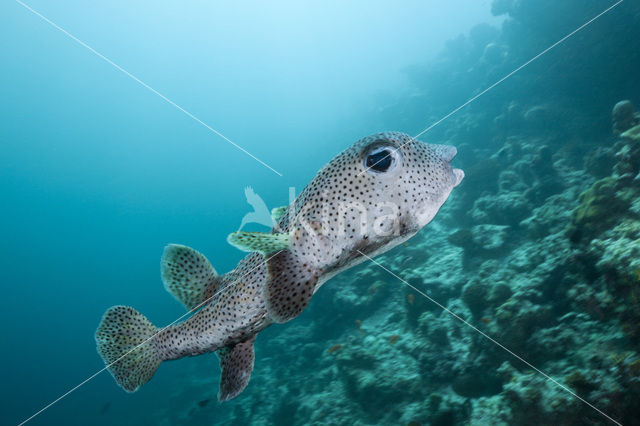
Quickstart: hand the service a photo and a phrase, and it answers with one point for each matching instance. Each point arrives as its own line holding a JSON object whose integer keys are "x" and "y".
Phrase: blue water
{"x": 98, "y": 174}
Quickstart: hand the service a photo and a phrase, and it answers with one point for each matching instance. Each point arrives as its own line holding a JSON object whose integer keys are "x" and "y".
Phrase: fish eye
{"x": 380, "y": 159}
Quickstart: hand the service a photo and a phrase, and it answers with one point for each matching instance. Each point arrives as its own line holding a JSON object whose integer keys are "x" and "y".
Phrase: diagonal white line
{"x": 492, "y": 340}
{"x": 142, "y": 83}
{"x": 572, "y": 33}
{"x": 97, "y": 373}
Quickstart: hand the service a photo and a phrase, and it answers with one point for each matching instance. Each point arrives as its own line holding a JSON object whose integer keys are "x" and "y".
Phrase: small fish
{"x": 393, "y": 339}
{"x": 410, "y": 298}
{"x": 368, "y": 199}
{"x": 334, "y": 348}
{"x": 485, "y": 320}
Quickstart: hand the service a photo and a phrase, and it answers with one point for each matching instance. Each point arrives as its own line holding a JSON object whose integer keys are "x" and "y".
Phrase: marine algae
{"x": 593, "y": 213}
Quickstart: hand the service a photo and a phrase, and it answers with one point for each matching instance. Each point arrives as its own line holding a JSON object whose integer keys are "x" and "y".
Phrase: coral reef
{"x": 593, "y": 214}
{"x": 633, "y": 133}
{"x": 624, "y": 117}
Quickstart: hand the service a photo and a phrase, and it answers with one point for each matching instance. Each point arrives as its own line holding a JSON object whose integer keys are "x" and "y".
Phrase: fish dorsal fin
{"x": 265, "y": 243}
{"x": 277, "y": 213}
{"x": 188, "y": 275}
{"x": 289, "y": 286}
{"x": 236, "y": 363}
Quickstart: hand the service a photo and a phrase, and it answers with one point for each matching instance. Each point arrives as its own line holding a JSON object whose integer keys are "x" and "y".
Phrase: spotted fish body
{"x": 368, "y": 199}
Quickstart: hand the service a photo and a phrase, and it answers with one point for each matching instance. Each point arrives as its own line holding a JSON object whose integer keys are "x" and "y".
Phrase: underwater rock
{"x": 378, "y": 373}
{"x": 623, "y": 117}
{"x": 598, "y": 304}
{"x": 628, "y": 159}
{"x": 375, "y": 390}
{"x": 510, "y": 180}
{"x": 619, "y": 249}
{"x": 517, "y": 319}
{"x": 553, "y": 215}
{"x": 492, "y": 411}
{"x": 416, "y": 305}
{"x": 579, "y": 382}
{"x": 441, "y": 291}
{"x": 476, "y": 384}
{"x": 531, "y": 396}
{"x": 500, "y": 293}
{"x": 480, "y": 240}
{"x": 550, "y": 343}
{"x": 438, "y": 409}
{"x": 489, "y": 237}
{"x": 477, "y": 376}
{"x": 543, "y": 160}
{"x": 357, "y": 302}
{"x": 588, "y": 361}
{"x": 632, "y": 134}
{"x": 475, "y": 295}
{"x": 593, "y": 214}
{"x": 435, "y": 331}
{"x": 503, "y": 209}
{"x": 617, "y": 257}
{"x": 543, "y": 167}
{"x": 600, "y": 162}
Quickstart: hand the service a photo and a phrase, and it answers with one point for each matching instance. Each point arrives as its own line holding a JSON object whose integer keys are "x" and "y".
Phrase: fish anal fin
{"x": 289, "y": 287}
{"x": 236, "y": 363}
{"x": 262, "y": 242}
{"x": 188, "y": 275}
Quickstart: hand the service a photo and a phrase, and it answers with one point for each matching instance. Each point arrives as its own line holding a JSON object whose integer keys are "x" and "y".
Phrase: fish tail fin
{"x": 125, "y": 340}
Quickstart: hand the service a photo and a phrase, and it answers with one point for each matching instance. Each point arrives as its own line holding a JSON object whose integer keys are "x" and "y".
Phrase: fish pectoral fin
{"x": 289, "y": 286}
{"x": 262, "y": 242}
{"x": 188, "y": 275}
{"x": 277, "y": 213}
{"x": 236, "y": 363}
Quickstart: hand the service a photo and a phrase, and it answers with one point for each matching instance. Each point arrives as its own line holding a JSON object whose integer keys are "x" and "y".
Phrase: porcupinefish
{"x": 368, "y": 199}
